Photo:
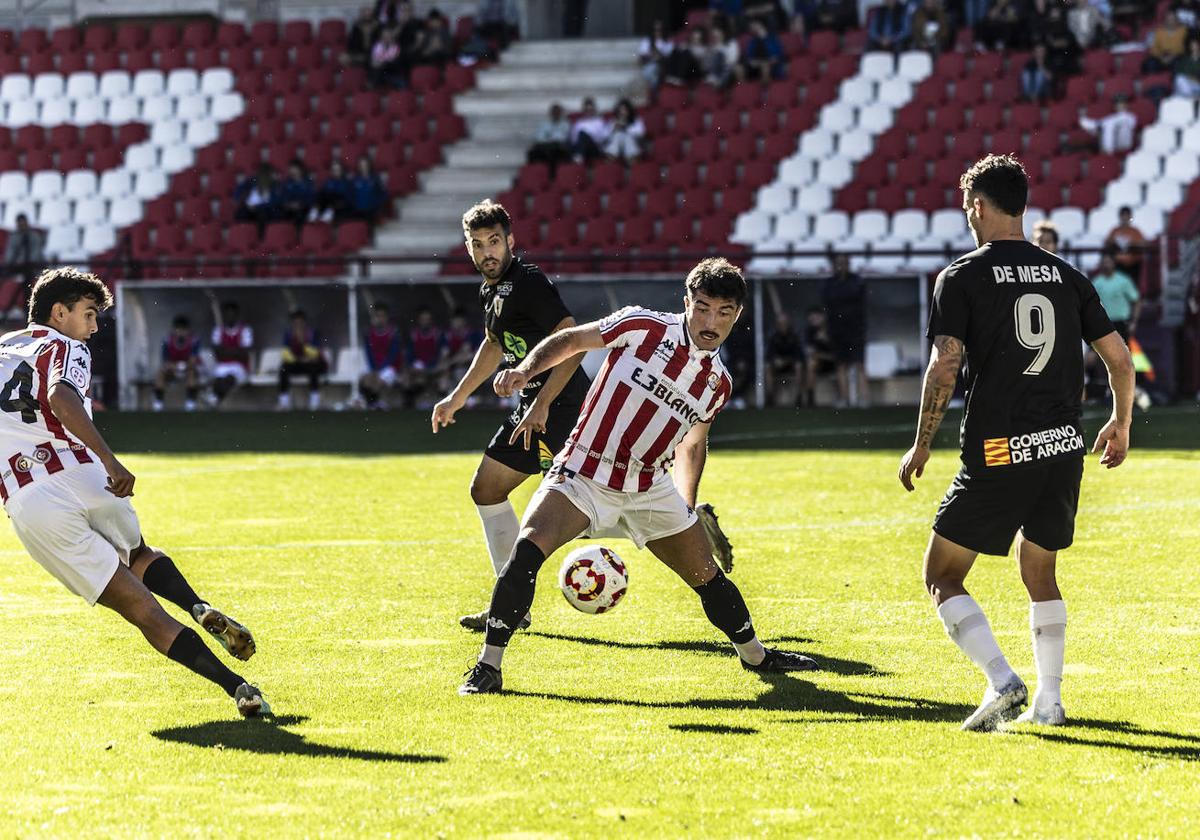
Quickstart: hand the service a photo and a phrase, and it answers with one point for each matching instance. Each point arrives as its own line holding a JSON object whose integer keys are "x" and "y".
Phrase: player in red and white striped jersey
{"x": 661, "y": 386}
{"x": 67, "y": 495}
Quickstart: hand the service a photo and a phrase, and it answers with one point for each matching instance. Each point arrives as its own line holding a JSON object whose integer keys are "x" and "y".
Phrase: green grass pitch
{"x": 352, "y": 568}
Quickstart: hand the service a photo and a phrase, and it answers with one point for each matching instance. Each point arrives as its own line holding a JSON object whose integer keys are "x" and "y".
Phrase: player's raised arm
{"x": 487, "y": 359}
{"x": 945, "y": 360}
{"x": 549, "y": 352}
{"x": 1113, "y": 439}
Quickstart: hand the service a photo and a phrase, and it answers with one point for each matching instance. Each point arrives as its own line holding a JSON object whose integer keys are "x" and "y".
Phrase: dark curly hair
{"x": 486, "y": 214}
{"x": 67, "y": 286}
{"x": 719, "y": 278}
{"x": 1001, "y": 179}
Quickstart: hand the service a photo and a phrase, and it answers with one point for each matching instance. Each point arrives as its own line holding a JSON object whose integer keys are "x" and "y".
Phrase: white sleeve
{"x": 247, "y": 338}
{"x": 71, "y": 363}
{"x": 621, "y": 328}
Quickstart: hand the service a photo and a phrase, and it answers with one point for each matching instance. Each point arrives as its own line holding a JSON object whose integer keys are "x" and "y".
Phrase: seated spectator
{"x": 974, "y": 12}
{"x": 721, "y": 61}
{"x": 930, "y": 27}
{"x": 232, "y": 341}
{"x": 1118, "y": 295}
{"x": 368, "y": 194}
{"x": 498, "y": 20}
{"x": 462, "y": 340}
{"x": 838, "y": 15}
{"x": 360, "y": 38}
{"x": 387, "y": 12}
{"x": 552, "y": 140}
{"x": 257, "y": 197}
{"x": 771, "y": 13}
{"x": 844, "y": 297}
{"x": 302, "y": 355}
{"x": 180, "y": 360}
{"x": 1062, "y": 50}
{"x": 381, "y": 347}
{"x": 426, "y": 349}
{"x": 1045, "y": 236}
{"x": 589, "y": 133}
{"x": 1037, "y": 79}
{"x": 763, "y": 58}
{"x": 335, "y": 198}
{"x": 1187, "y": 71}
{"x": 626, "y": 135}
{"x": 1001, "y": 27}
{"x": 296, "y": 195}
{"x": 1166, "y": 44}
{"x": 1115, "y": 132}
{"x": 436, "y": 44}
{"x": 652, "y": 54}
{"x": 785, "y": 360}
{"x": 23, "y": 258}
{"x": 1087, "y": 24}
{"x": 888, "y": 28}
{"x": 819, "y": 357}
{"x": 409, "y": 29}
{"x": 388, "y": 66}
{"x": 685, "y": 63}
{"x": 1126, "y": 242}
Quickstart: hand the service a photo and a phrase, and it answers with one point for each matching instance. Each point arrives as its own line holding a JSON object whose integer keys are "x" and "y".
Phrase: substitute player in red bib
{"x": 661, "y": 386}
{"x": 67, "y": 494}
{"x": 1018, "y": 315}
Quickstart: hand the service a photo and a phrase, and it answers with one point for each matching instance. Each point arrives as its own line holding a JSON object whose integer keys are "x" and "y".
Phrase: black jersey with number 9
{"x": 1022, "y": 314}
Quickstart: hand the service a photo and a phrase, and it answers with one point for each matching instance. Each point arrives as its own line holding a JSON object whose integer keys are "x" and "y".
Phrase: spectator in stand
{"x": 23, "y": 258}
{"x": 1126, "y": 243}
{"x": 888, "y": 29}
{"x": 1167, "y": 44}
{"x": 1115, "y": 132}
{"x": 820, "y": 359}
{"x": 1088, "y": 24}
{"x": 627, "y": 134}
{"x": 335, "y": 199}
{"x": 180, "y": 360}
{"x": 1002, "y": 26}
{"x": 973, "y": 12}
{"x": 1037, "y": 79}
{"x": 360, "y": 38}
{"x": 772, "y": 13}
{"x": 652, "y": 54}
{"x": 1062, "y": 49}
{"x": 1118, "y": 295}
{"x": 721, "y": 61}
{"x": 381, "y": 347}
{"x": 462, "y": 340}
{"x": 232, "y": 341}
{"x": 297, "y": 195}
{"x": 426, "y": 349}
{"x": 763, "y": 58}
{"x": 589, "y": 133}
{"x": 436, "y": 45}
{"x": 387, "y": 12}
{"x": 1045, "y": 236}
{"x": 552, "y": 140}
{"x": 302, "y": 356}
{"x": 685, "y": 63}
{"x": 368, "y": 194}
{"x": 838, "y": 15}
{"x": 257, "y": 197}
{"x": 930, "y": 27}
{"x": 498, "y": 20}
{"x": 388, "y": 66}
{"x": 410, "y": 28}
{"x": 785, "y": 360}
{"x": 844, "y": 297}
{"x": 1187, "y": 71}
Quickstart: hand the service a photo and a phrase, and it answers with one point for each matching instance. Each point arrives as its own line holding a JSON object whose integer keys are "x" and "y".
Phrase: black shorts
{"x": 540, "y": 457}
{"x": 984, "y": 509}
{"x": 849, "y": 347}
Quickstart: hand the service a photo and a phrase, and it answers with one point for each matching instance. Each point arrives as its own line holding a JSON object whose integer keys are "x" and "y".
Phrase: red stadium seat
{"x": 1086, "y": 194}
{"x": 196, "y": 210}
{"x": 297, "y": 33}
{"x": 968, "y": 90}
{"x": 644, "y": 176}
{"x": 29, "y": 137}
{"x": 161, "y": 211}
{"x": 823, "y": 43}
{"x": 697, "y": 202}
{"x": 437, "y": 102}
{"x": 742, "y": 147}
{"x": 163, "y": 36}
{"x": 107, "y": 157}
{"x": 264, "y": 33}
{"x": 175, "y": 58}
{"x": 570, "y": 176}
{"x": 63, "y": 136}
{"x": 532, "y": 178}
{"x": 1007, "y": 141}
{"x": 608, "y": 176}
{"x": 131, "y": 36}
{"x": 689, "y": 122}
{"x": 197, "y": 34}
{"x": 747, "y": 97}
{"x": 547, "y": 206}
{"x": 332, "y": 33}
{"x": 1115, "y": 86}
{"x": 799, "y": 119}
{"x": 73, "y": 158}
{"x": 951, "y": 65}
{"x": 560, "y": 233}
{"x": 969, "y": 143}
{"x": 316, "y": 238}
{"x": 1043, "y": 144}
{"x": 661, "y": 202}
{"x": 137, "y": 60}
{"x": 585, "y": 204}
{"x": 33, "y": 40}
{"x": 672, "y": 97}
{"x": 65, "y": 40}
{"x": 912, "y": 120}
{"x": 600, "y": 232}
{"x": 352, "y": 236}
{"x": 852, "y": 197}
{"x": 449, "y": 128}
{"x": 1081, "y": 89}
{"x": 424, "y": 79}
{"x": 1024, "y": 116}
{"x": 709, "y": 98}
{"x": 279, "y": 238}
{"x": 459, "y": 78}
{"x": 242, "y": 238}
{"x": 837, "y": 67}
{"x": 929, "y": 145}
{"x": 131, "y": 133}
{"x": 872, "y": 171}
{"x": 930, "y": 197}
{"x": 622, "y": 205}
{"x": 948, "y": 118}
{"x": 703, "y": 148}
{"x": 891, "y": 198}
{"x": 10, "y": 62}
{"x": 9, "y": 160}
{"x": 39, "y": 63}
{"x": 207, "y": 238}
{"x": 274, "y": 59}
{"x": 782, "y": 95}
{"x": 764, "y": 122}
{"x": 636, "y": 231}
{"x": 681, "y": 176}
{"x": 97, "y": 38}
{"x": 725, "y": 122}
{"x": 757, "y": 173}
{"x": 778, "y": 146}
{"x": 987, "y": 65}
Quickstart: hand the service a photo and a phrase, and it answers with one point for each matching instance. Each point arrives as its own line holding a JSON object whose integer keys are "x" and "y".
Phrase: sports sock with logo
{"x": 500, "y": 529}
{"x": 968, "y": 628}
{"x": 512, "y": 596}
{"x": 726, "y": 609}
{"x": 1048, "y": 624}
{"x": 163, "y": 579}
{"x": 191, "y": 653}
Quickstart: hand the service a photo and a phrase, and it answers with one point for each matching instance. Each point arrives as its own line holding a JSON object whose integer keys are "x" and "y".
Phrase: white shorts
{"x": 641, "y": 517}
{"x": 75, "y": 528}
{"x": 231, "y": 369}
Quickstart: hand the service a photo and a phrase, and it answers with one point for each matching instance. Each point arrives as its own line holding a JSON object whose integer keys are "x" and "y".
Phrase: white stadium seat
{"x": 1149, "y": 220}
{"x": 201, "y": 133}
{"x": 80, "y": 184}
{"x": 21, "y": 113}
{"x": 192, "y": 106}
{"x": 150, "y": 184}
{"x": 15, "y": 86}
{"x": 158, "y": 107}
{"x": 44, "y": 185}
{"x": 775, "y": 198}
{"x": 894, "y": 92}
{"x": 125, "y": 211}
{"x": 216, "y": 80}
{"x": 857, "y": 91}
{"x": 1102, "y": 220}
{"x": 796, "y": 171}
{"x": 55, "y": 112}
{"x": 870, "y": 225}
{"x": 12, "y": 209}
{"x": 115, "y": 83}
{"x": 14, "y": 186}
{"x": 97, "y": 238}
{"x": 63, "y": 241}
{"x": 1190, "y": 138}
{"x": 910, "y": 225}
{"x": 1143, "y": 166}
{"x": 47, "y": 86}
{"x": 116, "y": 183}
{"x": 53, "y": 212}
{"x": 177, "y": 158}
{"x": 1033, "y": 215}
{"x": 141, "y": 156}
{"x": 915, "y": 65}
{"x": 1070, "y": 222}
{"x": 837, "y": 116}
{"x": 881, "y": 359}
{"x": 82, "y": 85}
{"x": 855, "y": 145}
{"x": 815, "y": 198}
{"x": 831, "y": 226}
{"x": 1160, "y": 138}
{"x": 1124, "y": 191}
{"x": 227, "y": 106}
{"x": 751, "y": 227}
{"x": 809, "y": 265}
{"x": 877, "y": 65}
{"x": 817, "y": 143}
{"x": 876, "y": 118}
{"x": 1177, "y": 111}
{"x": 90, "y": 211}
{"x": 947, "y": 225}
{"x": 148, "y": 83}
{"x": 835, "y": 172}
{"x": 1165, "y": 194}
{"x": 768, "y": 265}
{"x": 166, "y": 133}
{"x": 183, "y": 81}
{"x": 1183, "y": 165}
{"x": 921, "y": 263}
{"x": 349, "y": 365}
{"x": 124, "y": 109}
{"x": 793, "y": 227}
{"x": 89, "y": 111}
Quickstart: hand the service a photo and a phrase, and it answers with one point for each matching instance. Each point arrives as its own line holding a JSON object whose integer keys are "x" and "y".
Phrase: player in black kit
{"x": 1019, "y": 314}
{"x": 520, "y": 308}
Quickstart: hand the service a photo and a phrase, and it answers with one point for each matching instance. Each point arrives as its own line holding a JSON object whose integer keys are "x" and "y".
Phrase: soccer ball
{"x": 593, "y": 579}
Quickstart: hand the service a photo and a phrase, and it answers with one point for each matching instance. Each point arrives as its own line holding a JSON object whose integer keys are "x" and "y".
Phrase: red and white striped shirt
{"x": 33, "y": 443}
{"x": 654, "y": 386}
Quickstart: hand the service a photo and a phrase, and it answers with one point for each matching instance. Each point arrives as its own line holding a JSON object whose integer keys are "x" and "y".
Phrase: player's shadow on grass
{"x": 1185, "y": 746}
{"x": 830, "y": 664}
{"x": 713, "y": 728}
{"x": 268, "y": 736}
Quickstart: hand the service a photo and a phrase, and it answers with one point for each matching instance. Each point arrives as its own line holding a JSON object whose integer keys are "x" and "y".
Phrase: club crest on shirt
{"x": 41, "y": 455}
{"x": 78, "y": 377}
{"x": 497, "y": 305}
{"x": 23, "y": 464}
{"x": 714, "y": 379}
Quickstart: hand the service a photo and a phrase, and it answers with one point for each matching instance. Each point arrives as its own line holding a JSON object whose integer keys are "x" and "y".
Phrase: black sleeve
{"x": 950, "y": 311}
{"x": 1094, "y": 321}
{"x": 544, "y": 304}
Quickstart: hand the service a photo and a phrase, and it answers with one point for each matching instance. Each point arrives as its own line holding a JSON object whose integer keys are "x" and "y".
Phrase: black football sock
{"x": 163, "y": 579}
{"x": 513, "y": 595}
{"x": 726, "y": 609}
{"x": 191, "y": 653}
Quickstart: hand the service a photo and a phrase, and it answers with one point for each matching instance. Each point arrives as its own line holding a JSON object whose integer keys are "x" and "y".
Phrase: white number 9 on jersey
{"x": 1035, "y": 333}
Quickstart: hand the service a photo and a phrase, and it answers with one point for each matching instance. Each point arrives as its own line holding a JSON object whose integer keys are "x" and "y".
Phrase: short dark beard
{"x": 505, "y": 262}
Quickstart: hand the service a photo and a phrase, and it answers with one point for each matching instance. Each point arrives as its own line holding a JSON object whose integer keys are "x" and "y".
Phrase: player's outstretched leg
{"x": 127, "y": 596}
{"x": 946, "y": 567}
{"x": 490, "y": 489}
{"x": 689, "y": 555}
{"x": 1048, "y": 626}
{"x": 551, "y": 521}
{"x": 160, "y": 575}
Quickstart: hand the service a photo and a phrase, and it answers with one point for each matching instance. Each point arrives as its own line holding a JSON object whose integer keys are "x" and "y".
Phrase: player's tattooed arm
{"x": 945, "y": 361}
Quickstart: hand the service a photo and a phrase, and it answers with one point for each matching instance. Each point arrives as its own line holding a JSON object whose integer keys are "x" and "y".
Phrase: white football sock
{"x": 1048, "y": 624}
{"x": 751, "y": 651}
{"x": 492, "y": 655}
{"x": 500, "y": 529}
{"x": 968, "y": 628}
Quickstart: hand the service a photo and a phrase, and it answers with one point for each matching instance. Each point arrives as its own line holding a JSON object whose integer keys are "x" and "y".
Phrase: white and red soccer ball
{"x": 593, "y": 579}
